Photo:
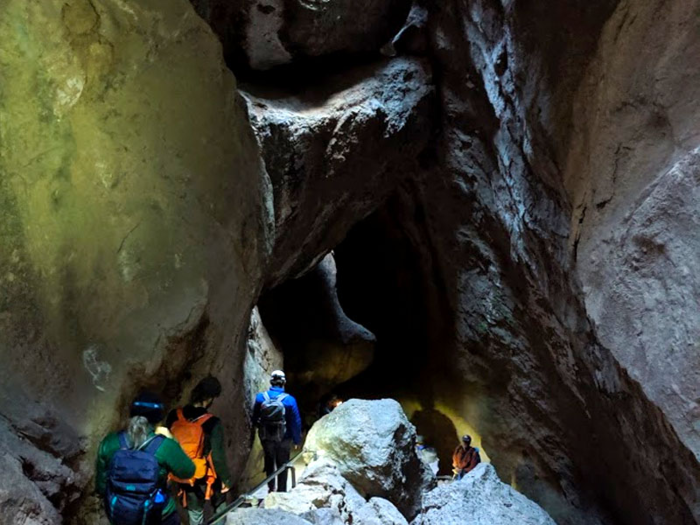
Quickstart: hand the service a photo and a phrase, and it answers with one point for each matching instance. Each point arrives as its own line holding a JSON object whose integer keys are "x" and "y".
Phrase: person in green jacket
{"x": 214, "y": 485}
{"x": 145, "y": 413}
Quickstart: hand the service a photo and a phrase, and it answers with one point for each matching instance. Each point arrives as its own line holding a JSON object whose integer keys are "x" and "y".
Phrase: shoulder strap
{"x": 152, "y": 444}
{"x": 281, "y": 396}
{"x": 203, "y": 419}
{"x": 266, "y": 396}
{"x": 123, "y": 441}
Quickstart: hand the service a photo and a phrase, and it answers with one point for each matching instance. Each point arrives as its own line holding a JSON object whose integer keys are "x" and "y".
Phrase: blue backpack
{"x": 133, "y": 484}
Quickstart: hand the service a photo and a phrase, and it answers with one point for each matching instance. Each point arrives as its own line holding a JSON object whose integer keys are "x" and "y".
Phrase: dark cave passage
{"x": 365, "y": 323}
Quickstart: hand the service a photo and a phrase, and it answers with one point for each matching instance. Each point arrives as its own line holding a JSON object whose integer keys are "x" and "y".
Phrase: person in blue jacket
{"x": 276, "y": 416}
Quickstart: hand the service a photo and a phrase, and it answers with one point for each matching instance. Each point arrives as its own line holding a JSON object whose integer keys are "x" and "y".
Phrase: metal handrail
{"x": 241, "y": 499}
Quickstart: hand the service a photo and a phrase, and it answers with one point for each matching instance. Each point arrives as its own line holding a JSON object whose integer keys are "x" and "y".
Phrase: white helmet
{"x": 278, "y": 375}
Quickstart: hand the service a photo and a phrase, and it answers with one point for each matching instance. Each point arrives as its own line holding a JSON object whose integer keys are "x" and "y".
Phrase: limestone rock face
{"x": 267, "y": 33}
{"x": 632, "y": 177}
{"x": 127, "y": 168}
{"x": 479, "y": 499}
{"x": 373, "y": 446}
{"x": 334, "y": 151}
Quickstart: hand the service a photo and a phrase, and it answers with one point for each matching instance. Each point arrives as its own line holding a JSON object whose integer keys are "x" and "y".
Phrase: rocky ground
{"x": 364, "y": 470}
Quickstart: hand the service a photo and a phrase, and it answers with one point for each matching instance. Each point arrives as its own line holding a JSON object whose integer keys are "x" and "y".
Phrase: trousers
{"x": 196, "y": 501}
{"x": 276, "y": 455}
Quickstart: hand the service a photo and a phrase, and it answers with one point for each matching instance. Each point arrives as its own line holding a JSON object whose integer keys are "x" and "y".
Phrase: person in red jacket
{"x": 465, "y": 457}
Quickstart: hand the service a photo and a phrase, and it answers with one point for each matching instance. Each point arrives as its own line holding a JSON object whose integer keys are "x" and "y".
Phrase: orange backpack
{"x": 190, "y": 435}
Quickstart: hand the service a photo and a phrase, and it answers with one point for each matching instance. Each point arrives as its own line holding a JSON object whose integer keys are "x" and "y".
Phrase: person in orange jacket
{"x": 465, "y": 457}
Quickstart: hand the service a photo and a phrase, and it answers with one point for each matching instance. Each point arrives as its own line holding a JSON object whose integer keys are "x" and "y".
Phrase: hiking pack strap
{"x": 152, "y": 445}
{"x": 281, "y": 396}
{"x": 199, "y": 420}
{"x": 202, "y": 419}
{"x": 266, "y": 396}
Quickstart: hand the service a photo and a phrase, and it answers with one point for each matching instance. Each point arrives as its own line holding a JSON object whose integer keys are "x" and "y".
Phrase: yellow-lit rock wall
{"x": 133, "y": 222}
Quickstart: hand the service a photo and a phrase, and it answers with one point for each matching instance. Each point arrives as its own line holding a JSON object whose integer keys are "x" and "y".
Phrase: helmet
{"x": 466, "y": 438}
{"x": 278, "y": 377}
{"x": 148, "y": 405}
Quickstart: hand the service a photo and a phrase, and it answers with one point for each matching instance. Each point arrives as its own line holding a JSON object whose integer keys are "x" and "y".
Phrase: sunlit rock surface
{"x": 480, "y": 498}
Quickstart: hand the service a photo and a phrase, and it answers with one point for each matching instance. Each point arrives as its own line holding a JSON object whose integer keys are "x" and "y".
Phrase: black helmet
{"x": 466, "y": 438}
{"x": 148, "y": 405}
{"x": 207, "y": 388}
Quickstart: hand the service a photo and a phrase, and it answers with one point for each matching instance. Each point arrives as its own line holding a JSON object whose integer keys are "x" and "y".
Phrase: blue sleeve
{"x": 256, "y": 409}
{"x": 293, "y": 419}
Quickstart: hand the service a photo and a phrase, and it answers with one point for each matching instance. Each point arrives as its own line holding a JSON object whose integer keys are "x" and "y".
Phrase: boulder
{"x": 334, "y": 151}
{"x": 262, "y": 34}
{"x": 479, "y": 498}
{"x": 372, "y": 443}
{"x": 379, "y": 511}
{"x": 256, "y": 516}
{"x": 320, "y": 487}
{"x": 324, "y": 517}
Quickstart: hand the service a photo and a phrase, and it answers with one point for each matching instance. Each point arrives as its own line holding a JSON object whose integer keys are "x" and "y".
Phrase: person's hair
{"x": 207, "y": 388}
{"x": 138, "y": 431}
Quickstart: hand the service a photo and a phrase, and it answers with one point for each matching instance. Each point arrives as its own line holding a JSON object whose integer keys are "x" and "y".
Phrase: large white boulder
{"x": 255, "y": 516}
{"x": 480, "y": 498}
{"x": 372, "y": 443}
{"x": 320, "y": 487}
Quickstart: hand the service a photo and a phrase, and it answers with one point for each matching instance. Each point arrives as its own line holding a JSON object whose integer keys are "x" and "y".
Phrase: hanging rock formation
{"x": 335, "y": 150}
{"x": 262, "y": 34}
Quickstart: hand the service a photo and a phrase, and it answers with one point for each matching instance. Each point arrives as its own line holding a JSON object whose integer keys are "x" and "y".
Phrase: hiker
{"x": 328, "y": 405}
{"x": 201, "y": 436}
{"x": 133, "y": 466}
{"x": 465, "y": 457}
{"x": 427, "y": 455}
{"x": 276, "y": 415}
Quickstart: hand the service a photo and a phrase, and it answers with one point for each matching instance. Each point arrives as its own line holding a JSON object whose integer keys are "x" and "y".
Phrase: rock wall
{"x": 134, "y": 231}
{"x": 526, "y": 365}
{"x": 632, "y": 175}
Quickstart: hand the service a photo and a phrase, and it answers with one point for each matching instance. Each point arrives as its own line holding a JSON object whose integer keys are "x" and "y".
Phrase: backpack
{"x": 190, "y": 436}
{"x": 133, "y": 482}
{"x": 273, "y": 424}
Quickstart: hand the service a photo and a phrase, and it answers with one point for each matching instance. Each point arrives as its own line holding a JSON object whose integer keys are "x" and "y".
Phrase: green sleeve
{"x": 171, "y": 455}
{"x": 218, "y": 454}
{"x": 104, "y": 454}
